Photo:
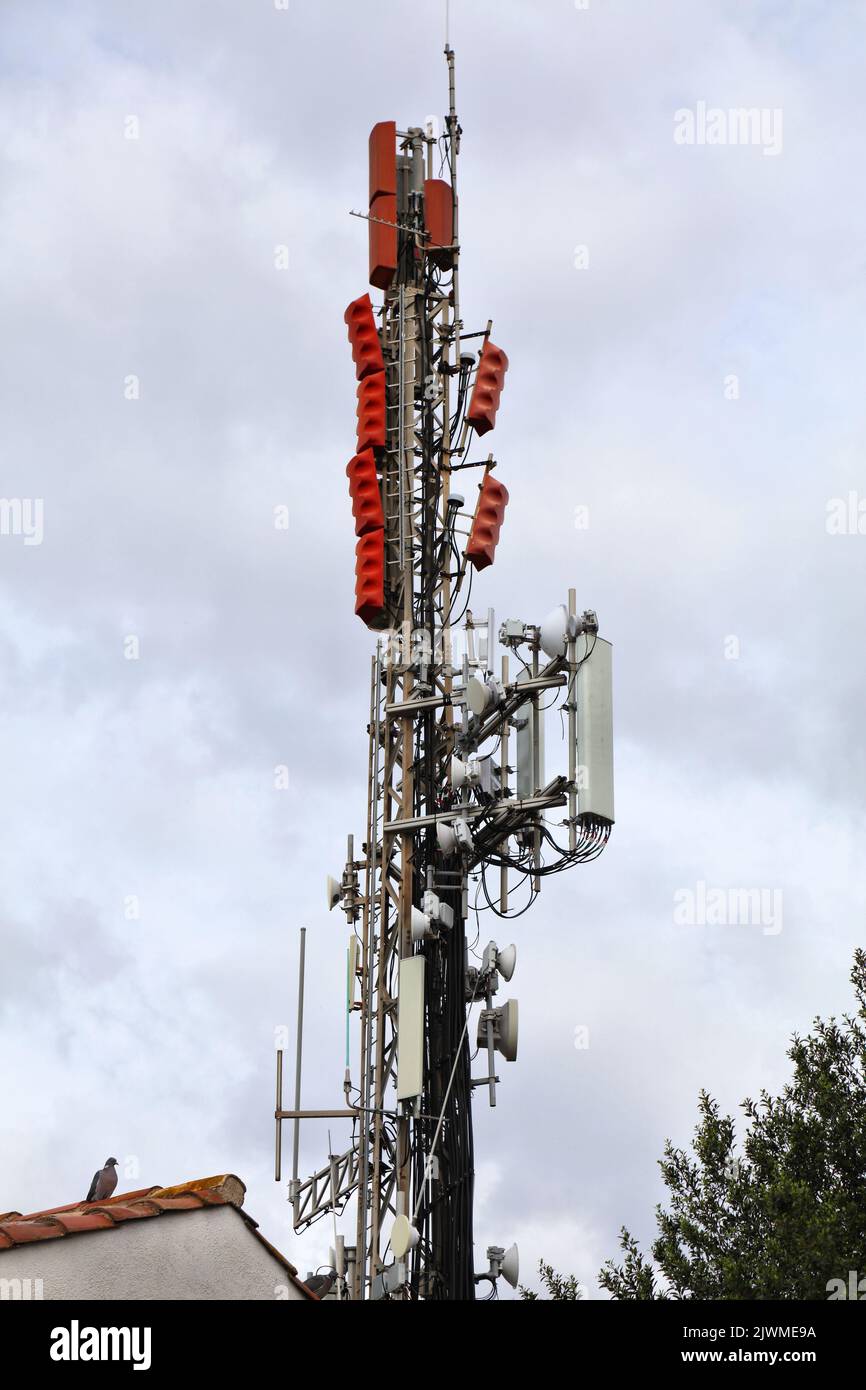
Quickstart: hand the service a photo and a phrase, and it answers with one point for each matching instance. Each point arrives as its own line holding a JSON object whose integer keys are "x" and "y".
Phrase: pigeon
{"x": 104, "y": 1182}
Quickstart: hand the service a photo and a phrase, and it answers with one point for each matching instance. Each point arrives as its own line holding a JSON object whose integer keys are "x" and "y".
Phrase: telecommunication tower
{"x": 458, "y": 802}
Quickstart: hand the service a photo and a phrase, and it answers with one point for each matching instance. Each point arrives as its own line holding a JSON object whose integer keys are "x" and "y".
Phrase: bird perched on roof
{"x": 104, "y": 1182}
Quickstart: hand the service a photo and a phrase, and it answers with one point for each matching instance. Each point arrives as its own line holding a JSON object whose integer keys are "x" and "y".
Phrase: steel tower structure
{"x": 444, "y": 807}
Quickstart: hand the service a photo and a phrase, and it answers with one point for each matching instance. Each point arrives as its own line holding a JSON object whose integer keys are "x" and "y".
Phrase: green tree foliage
{"x": 788, "y": 1214}
{"x": 564, "y": 1288}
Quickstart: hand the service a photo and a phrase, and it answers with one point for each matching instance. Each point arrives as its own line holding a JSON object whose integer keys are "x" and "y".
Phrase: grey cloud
{"x": 707, "y": 518}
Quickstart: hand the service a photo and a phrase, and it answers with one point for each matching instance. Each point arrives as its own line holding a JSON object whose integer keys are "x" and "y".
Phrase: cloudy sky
{"x": 685, "y": 329}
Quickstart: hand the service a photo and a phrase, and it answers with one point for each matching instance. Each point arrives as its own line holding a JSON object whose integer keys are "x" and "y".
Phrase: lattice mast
{"x": 441, "y": 809}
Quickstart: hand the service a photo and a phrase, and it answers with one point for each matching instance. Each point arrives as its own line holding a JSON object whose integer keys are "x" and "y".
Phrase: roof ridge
{"x": 119, "y": 1206}
{"x": 79, "y": 1218}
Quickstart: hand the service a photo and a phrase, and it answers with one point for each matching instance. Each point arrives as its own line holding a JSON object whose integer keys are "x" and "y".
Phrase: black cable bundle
{"x": 442, "y": 1262}
{"x": 444, "y": 1259}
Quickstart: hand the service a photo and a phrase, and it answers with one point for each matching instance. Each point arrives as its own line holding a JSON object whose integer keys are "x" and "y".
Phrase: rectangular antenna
{"x": 595, "y": 734}
{"x": 410, "y": 1028}
{"x": 528, "y": 718}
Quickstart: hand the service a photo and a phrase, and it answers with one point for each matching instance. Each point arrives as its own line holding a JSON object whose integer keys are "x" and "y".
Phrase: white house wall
{"x": 207, "y": 1254}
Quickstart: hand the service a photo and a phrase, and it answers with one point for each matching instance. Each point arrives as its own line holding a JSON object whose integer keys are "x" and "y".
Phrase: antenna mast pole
{"x": 441, "y": 808}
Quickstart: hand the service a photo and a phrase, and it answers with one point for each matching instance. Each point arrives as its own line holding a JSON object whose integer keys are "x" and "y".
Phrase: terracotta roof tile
{"x": 82, "y": 1206}
{"x": 80, "y": 1218}
{"x": 126, "y": 1196}
{"x": 142, "y": 1207}
{"x": 88, "y": 1220}
{"x": 77, "y": 1217}
{"x": 226, "y": 1185}
{"x": 187, "y": 1203}
{"x": 49, "y": 1211}
{"x": 21, "y": 1232}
